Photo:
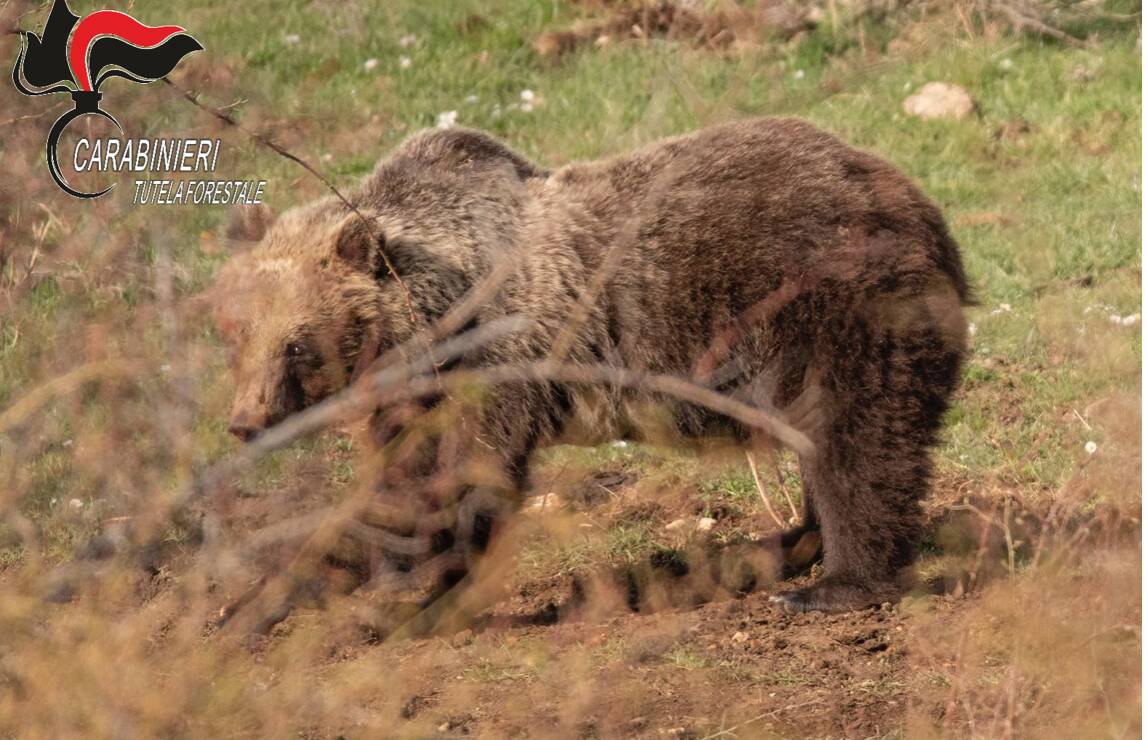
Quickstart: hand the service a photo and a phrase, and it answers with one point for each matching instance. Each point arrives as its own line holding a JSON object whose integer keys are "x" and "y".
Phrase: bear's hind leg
{"x": 885, "y": 394}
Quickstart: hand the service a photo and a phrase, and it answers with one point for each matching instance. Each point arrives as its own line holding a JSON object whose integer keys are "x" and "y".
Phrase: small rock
{"x": 705, "y": 524}
{"x": 546, "y": 502}
{"x": 940, "y": 100}
{"x": 739, "y": 637}
{"x": 447, "y": 119}
{"x": 76, "y": 503}
{"x": 677, "y": 524}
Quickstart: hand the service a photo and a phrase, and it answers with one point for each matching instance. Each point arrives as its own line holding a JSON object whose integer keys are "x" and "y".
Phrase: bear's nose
{"x": 244, "y": 432}
{"x": 245, "y": 425}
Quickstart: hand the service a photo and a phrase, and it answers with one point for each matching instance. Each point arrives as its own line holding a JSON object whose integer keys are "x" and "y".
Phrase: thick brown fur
{"x": 765, "y": 258}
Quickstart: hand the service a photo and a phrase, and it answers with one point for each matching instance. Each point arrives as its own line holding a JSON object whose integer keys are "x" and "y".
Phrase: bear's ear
{"x": 248, "y": 225}
{"x": 360, "y": 243}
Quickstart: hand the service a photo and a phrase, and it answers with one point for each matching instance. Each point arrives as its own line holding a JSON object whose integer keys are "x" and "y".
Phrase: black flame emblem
{"x": 76, "y": 55}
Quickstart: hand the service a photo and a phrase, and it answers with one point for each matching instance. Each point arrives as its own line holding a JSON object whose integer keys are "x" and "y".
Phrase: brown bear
{"x": 764, "y": 259}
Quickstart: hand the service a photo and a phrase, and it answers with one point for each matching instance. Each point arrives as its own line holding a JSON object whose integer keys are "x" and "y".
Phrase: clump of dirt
{"x": 599, "y": 487}
{"x": 676, "y": 21}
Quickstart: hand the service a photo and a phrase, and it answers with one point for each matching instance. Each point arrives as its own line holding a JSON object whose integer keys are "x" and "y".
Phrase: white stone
{"x": 447, "y": 119}
{"x": 940, "y": 100}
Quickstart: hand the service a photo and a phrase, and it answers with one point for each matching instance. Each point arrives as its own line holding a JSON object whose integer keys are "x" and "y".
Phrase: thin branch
{"x": 761, "y": 490}
{"x": 781, "y": 484}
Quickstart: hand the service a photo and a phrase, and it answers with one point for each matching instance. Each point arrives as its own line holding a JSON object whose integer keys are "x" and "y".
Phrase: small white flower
{"x": 1130, "y": 319}
{"x": 472, "y": 98}
{"x": 705, "y": 524}
{"x": 327, "y": 157}
{"x": 291, "y": 38}
{"x": 447, "y": 119}
{"x": 67, "y": 443}
{"x": 527, "y": 96}
{"x": 404, "y": 62}
{"x": 972, "y": 330}
{"x": 76, "y": 503}
{"x": 1090, "y": 447}
{"x": 620, "y": 444}
{"x": 370, "y": 64}
{"x": 799, "y": 74}
{"x": 408, "y": 41}
{"x": 1006, "y": 64}
{"x": 165, "y": 368}
{"x": 526, "y": 107}
{"x": 1114, "y": 318}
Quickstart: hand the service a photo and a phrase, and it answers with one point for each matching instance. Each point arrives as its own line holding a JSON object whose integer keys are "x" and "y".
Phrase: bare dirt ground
{"x": 557, "y": 656}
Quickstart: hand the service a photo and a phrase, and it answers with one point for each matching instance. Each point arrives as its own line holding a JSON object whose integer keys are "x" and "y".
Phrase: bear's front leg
{"x": 458, "y": 490}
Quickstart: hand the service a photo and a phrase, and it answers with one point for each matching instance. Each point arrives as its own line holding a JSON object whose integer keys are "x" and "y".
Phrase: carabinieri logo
{"x": 76, "y": 55}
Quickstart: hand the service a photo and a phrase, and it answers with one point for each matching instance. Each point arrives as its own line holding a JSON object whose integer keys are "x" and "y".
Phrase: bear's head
{"x": 328, "y": 287}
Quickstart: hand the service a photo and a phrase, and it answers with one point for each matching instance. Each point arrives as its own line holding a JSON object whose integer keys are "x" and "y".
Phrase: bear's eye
{"x": 294, "y": 349}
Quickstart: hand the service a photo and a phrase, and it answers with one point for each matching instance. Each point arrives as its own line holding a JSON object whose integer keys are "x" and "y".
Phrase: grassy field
{"x": 114, "y": 393}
